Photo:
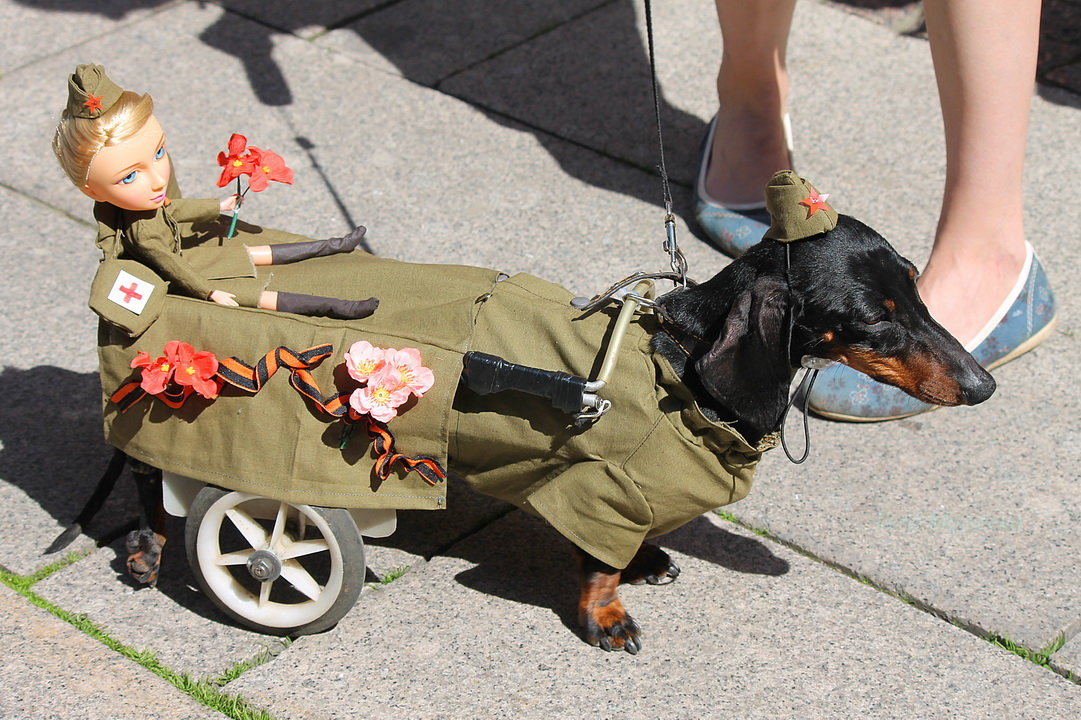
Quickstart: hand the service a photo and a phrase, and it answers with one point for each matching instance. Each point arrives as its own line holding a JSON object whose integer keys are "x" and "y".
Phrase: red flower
{"x": 156, "y": 373}
{"x": 236, "y": 162}
{"x": 268, "y": 165}
{"x": 194, "y": 370}
{"x": 182, "y": 365}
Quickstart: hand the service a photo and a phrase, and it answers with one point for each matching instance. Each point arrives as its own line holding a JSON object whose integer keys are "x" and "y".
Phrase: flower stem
{"x": 236, "y": 211}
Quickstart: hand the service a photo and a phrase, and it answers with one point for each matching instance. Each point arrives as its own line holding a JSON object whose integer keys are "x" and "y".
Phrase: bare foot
{"x": 749, "y": 144}
{"x": 964, "y": 289}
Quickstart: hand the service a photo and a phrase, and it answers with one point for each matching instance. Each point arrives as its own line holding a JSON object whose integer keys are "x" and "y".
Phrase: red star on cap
{"x": 93, "y": 103}
{"x": 814, "y": 202}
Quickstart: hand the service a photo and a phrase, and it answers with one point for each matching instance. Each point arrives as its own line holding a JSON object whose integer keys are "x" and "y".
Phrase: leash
{"x": 670, "y": 245}
{"x": 811, "y": 365}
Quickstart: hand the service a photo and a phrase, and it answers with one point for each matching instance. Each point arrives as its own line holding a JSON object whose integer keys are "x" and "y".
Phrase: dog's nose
{"x": 978, "y": 386}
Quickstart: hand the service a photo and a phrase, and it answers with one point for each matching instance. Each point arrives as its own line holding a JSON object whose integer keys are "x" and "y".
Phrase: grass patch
{"x": 206, "y": 692}
{"x": 392, "y": 575}
{"x": 22, "y": 583}
{"x": 1040, "y": 657}
{"x": 245, "y": 665}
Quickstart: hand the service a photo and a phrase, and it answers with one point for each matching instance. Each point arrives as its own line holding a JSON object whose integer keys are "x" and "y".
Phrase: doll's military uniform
{"x": 185, "y": 243}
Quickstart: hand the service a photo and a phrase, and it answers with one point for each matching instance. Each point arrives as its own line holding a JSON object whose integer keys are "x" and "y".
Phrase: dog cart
{"x": 278, "y": 480}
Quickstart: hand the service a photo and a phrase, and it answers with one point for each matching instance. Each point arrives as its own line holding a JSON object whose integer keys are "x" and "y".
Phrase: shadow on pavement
{"x": 52, "y": 448}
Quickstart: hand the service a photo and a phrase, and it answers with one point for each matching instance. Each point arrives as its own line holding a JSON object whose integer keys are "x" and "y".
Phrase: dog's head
{"x": 846, "y": 295}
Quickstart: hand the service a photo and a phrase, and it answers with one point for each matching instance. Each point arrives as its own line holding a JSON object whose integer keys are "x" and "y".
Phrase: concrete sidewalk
{"x": 519, "y": 135}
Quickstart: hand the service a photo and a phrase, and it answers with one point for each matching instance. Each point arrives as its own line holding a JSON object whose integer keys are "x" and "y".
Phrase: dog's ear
{"x": 747, "y": 369}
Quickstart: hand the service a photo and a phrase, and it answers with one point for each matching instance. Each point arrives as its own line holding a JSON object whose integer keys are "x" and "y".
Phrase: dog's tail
{"x": 97, "y": 499}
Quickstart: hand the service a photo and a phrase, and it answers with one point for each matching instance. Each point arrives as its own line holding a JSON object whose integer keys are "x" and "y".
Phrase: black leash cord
{"x": 657, "y": 108}
{"x": 811, "y": 373}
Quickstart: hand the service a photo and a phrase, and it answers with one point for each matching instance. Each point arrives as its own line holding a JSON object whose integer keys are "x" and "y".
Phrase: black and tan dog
{"x": 698, "y": 391}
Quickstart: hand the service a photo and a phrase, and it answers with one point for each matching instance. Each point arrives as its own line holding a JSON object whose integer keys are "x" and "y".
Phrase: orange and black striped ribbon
{"x": 387, "y": 458}
{"x": 252, "y": 378}
{"x": 130, "y": 393}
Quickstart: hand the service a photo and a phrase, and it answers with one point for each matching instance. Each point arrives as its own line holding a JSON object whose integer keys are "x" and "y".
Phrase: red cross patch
{"x": 130, "y": 292}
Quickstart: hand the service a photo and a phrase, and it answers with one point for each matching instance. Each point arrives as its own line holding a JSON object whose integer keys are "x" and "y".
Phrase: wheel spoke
{"x": 264, "y": 593}
{"x": 304, "y": 547}
{"x": 301, "y": 579}
{"x": 252, "y": 531}
{"x": 234, "y": 558}
{"x": 279, "y": 524}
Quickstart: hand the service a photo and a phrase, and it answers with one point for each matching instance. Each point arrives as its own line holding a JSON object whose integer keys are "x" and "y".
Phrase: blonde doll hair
{"x": 78, "y": 140}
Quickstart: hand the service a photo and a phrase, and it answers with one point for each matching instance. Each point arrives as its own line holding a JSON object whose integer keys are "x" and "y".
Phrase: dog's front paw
{"x": 651, "y": 565}
{"x": 611, "y": 627}
{"x": 144, "y": 559}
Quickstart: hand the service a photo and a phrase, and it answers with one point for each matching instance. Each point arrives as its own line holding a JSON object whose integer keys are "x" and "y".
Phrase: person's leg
{"x": 985, "y": 62}
{"x": 752, "y": 86}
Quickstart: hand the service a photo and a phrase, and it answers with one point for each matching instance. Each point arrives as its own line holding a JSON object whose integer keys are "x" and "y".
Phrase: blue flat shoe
{"x": 1025, "y": 319}
{"x": 733, "y": 229}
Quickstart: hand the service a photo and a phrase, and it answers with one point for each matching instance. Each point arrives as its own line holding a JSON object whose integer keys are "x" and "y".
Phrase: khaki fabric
{"x": 653, "y": 463}
{"x": 276, "y": 443}
{"x": 185, "y": 243}
{"x": 790, "y": 218}
{"x": 90, "y": 92}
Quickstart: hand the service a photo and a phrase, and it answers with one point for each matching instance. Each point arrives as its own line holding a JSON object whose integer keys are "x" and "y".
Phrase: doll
{"x": 112, "y": 147}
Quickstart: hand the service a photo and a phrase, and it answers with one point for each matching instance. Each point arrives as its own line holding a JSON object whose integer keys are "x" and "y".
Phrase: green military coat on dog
{"x": 653, "y": 463}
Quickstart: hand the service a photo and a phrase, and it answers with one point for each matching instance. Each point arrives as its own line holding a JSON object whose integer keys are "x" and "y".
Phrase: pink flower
{"x": 415, "y": 376}
{"x": 362, "y": 359}
{"x": 382, "y": 396}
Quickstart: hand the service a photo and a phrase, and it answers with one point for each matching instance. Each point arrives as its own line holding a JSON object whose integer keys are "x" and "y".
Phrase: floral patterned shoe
{"x": 731, "y": 228}
{"x": 1025, "y": 319}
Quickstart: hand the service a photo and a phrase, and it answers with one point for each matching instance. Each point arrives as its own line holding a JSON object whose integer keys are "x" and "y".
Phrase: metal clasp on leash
{"x": 638, "y": 299}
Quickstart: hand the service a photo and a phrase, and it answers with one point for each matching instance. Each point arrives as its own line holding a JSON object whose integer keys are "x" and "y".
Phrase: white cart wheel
{"x": 276, "y": 567}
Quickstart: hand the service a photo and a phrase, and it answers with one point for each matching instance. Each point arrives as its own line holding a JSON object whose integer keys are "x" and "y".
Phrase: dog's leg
{"x": 145, "y": 544}
{"x": 604, "y": 620}
{"x": 651, "y": 565}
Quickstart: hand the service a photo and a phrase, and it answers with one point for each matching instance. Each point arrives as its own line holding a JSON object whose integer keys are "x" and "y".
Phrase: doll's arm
{"x": 188, "y": 210}
{"x": 149, "y": 242}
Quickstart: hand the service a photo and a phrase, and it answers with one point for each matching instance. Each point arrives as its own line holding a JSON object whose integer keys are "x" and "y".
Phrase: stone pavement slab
{"x": 1068, "y": 658}
{"x": 175, "y": 621}
{"x": 34, "y": 30}
{"x": 589, "y": 82}
{"x": 750, "y": 630}
{"x": 449, "y": 37}
{"x": 304, "y": 19}
{"x": 51, "y": 670}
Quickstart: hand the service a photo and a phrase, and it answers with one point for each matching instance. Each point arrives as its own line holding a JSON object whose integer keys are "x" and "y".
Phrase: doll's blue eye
{"x": 129, "y": 178}
{"x": 160, "y": 153}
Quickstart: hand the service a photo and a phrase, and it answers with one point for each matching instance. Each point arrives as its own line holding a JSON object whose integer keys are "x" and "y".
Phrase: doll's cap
{"x": 796, "y": 209}
{"x": 91, "y": 92}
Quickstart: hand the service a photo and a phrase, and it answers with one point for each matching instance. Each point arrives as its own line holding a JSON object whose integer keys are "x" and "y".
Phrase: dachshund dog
{"x": 701, "y": 388}
{"x": 738, "y": 339}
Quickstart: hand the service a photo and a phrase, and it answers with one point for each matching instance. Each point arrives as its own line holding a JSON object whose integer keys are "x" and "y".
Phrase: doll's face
{"x": 132, "y": 175}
